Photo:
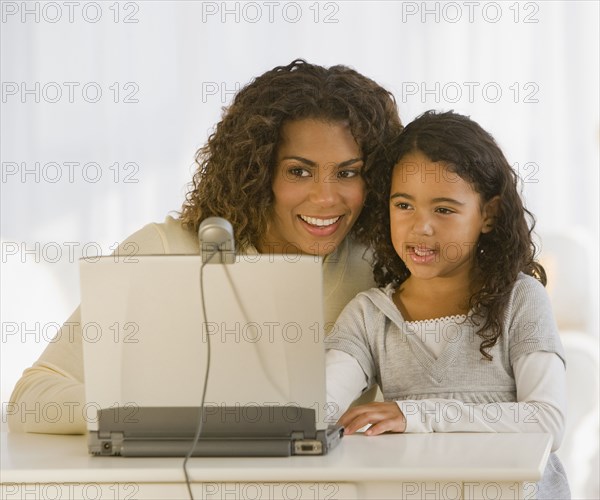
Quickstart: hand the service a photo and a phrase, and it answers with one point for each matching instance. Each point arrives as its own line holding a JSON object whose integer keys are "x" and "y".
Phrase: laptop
{"x": 145, "y": 355}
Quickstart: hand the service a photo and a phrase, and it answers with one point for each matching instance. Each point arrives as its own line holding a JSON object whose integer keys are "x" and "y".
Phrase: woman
{"x": 290, "y": 165}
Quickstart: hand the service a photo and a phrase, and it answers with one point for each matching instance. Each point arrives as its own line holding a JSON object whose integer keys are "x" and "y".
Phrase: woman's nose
{"x": 324, "y": 191}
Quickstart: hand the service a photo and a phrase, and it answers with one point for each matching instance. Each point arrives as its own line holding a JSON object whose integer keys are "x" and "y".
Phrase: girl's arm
{"x": 350, "y": 368}
{"x": 540, "y": 407}
{"x": 346, "y": 380}
{"x": 538, "y": 368}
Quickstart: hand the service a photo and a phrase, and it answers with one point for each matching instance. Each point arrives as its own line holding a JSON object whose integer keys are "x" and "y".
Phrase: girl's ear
{"x": 490, "y": 212}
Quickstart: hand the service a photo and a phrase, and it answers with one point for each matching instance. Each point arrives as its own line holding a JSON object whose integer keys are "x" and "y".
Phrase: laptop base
{"x": 256, "y": 431}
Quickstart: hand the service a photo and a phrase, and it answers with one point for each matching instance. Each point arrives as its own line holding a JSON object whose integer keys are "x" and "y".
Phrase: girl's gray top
{"x": 391, "y": 353}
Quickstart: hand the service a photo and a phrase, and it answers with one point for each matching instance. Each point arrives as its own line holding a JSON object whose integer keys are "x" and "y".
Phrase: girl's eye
{"x": 402, "y": 205}
{"x": 444, "y": 211}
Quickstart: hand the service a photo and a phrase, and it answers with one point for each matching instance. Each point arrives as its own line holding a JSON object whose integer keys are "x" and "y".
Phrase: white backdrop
{"x": 105, "y": 103}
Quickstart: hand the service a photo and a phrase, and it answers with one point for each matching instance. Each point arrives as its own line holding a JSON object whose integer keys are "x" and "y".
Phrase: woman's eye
{"x": 347, "y": 174}
{"x": 298, "y": 172}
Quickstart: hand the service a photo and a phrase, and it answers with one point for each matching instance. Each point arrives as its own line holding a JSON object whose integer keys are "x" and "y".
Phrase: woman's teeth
{"x": 319, "y": 222}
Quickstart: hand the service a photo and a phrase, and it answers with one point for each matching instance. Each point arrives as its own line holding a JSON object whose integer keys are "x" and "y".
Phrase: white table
{"x": 411, "y": 466}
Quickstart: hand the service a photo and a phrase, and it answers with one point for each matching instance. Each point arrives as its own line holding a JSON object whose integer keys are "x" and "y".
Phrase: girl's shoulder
{"x": 365, "y": 315}
{"x": 376, "y": 295}
{"x": 529, "y": 322}
{"x": 528, "y": 298}
{"x": 374, "y": 302}
{"x": 524, "y": 280}
{"x": 526, "y": 290}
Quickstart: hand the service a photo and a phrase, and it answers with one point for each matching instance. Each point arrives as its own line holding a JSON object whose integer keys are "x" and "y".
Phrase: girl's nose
{"x": 422, "y": 225}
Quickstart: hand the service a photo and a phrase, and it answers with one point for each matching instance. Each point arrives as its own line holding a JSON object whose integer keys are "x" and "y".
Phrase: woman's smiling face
{"x": 318, "y": 188}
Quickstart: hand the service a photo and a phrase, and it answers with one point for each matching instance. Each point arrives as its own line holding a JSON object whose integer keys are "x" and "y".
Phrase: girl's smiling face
{"x": 436, "y": 218}
{"x": 318, "y": 188}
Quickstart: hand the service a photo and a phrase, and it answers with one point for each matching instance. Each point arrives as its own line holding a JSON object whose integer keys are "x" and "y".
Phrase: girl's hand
{"x": 383, "y": 417}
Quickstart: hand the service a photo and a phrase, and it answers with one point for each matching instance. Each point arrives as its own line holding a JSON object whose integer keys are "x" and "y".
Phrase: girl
{"x": 460, "y": 337}
{"x": 291, "y": 166}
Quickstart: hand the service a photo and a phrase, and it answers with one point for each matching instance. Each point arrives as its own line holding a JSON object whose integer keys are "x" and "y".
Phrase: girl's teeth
{"x": 319, "y": 222}
{"x": 422, "y": 252}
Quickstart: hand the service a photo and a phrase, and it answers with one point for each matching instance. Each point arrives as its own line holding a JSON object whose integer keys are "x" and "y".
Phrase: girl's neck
{"x": 419, "y": 299}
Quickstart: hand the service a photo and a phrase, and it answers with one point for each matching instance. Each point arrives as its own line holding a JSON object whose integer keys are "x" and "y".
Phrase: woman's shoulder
{"x": 350, "y": 253}
{"x": 178, "y": 238}
{"x": 358, "y": 259}
{"x": 168, "y": 237}
{"x": 359, "y": 251}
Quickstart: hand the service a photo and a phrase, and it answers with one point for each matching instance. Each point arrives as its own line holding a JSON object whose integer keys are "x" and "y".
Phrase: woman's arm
{"x": 50, "y": 397}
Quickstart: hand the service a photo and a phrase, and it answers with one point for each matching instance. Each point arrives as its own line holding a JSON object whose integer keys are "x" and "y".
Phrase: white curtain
{"x": 105, "y": 103}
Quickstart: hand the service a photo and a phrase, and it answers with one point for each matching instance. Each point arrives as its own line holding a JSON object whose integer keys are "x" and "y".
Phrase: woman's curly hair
{"x": 470, "y": 152}
{"x": 235, "y": 169}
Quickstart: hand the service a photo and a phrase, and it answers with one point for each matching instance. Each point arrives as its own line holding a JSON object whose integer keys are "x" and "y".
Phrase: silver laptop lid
{"x": 144, "y": 337}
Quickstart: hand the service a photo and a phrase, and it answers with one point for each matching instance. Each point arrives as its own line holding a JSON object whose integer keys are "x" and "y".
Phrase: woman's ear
{"x": 490, "y": 212}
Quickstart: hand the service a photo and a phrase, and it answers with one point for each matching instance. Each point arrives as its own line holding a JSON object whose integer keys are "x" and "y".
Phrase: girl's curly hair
{"x": 470, "y": 152}
{"x": 235, "y": 169}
